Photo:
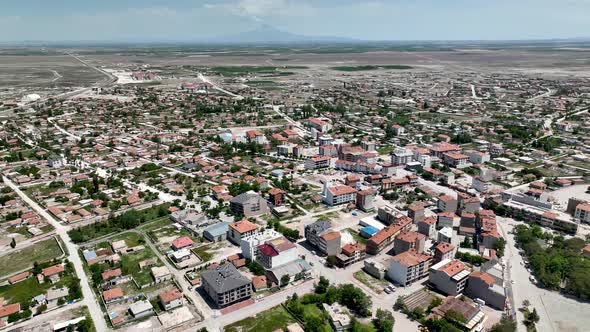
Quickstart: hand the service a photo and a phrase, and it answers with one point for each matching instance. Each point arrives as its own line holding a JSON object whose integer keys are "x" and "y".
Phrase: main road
{"x": 90, "y": 299}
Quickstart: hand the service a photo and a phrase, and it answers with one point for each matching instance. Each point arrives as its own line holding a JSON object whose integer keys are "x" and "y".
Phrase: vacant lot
{"x": 270, "y": 320}
{"x": 23, "y": 259}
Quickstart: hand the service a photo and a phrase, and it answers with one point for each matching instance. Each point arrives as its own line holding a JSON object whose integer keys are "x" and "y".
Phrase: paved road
{"x": 217, "y": 87}
{"x": 89, "y": 298}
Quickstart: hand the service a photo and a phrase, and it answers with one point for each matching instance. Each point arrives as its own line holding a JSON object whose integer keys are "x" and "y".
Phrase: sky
{"x": 194, "y": 20}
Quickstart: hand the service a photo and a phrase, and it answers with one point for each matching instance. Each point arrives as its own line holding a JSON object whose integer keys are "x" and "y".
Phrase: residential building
{"x": 445, "y": 234}
{"x": 446, "y": 203}
{"x": 374, "y": 268}
{"x": 181, "y": 243}
{"x": 401, "y": 156}
{"x": 480, "y": 184}
{"x": 365, "y": 198}
{"x": 225, "y": 285}
{"x": 249, "y": 244}
{"x": 477, "y": 157}
{"x": 241, "y": 229}
{"x": 351, "y": 253}
{"x": 112, "y": 295}
{"x": 340, "y": 194}
{"x": 320, "y": 125}
{"x": 416, "y": 211}
{"x": 427, "y": 227}
{"x": 171, "y": 299}
{"x": 449, "y": 276}
{"x": 161, "y": 274}
{"x": 330, "y": 243}
{"x": 442, "y": 251}
{"x": 386, "y": 236}
{"x": 454, "y": 159}
{"x": 582, "y": 212}
{"x": 276, "y": 196}
{"x": 339, "y": 317}
{"x": 249, "y": 204}
{"x": 408, "y": 267}
{"x": 409, "y": 240}
{"x": 317, "y": 162}
{"x": 141, "y": 309}
{"x": 276, "y": 252}
{"x": 445, "y": 219}
{"x": 482, "y": 285}
{"x": 313, "y": 231}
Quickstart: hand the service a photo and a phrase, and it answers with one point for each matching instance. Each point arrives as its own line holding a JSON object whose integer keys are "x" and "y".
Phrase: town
{"x": 296, "y": 195}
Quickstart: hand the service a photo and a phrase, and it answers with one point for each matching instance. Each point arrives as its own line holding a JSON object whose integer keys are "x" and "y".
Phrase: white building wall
{"x": 397, "y": 273}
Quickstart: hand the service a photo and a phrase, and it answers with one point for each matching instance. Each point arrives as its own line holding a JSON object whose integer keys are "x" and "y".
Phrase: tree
{"x": 355, "y": 299}
{"x": 285, "y": 280}
{"x": 383, "y": 321}
{"x": 13, "y": 243}
{"x": 454, "y": 316}
{"x": 322, "y": 285}
{"x": 331, "y": 261}
{"x": 499, "y": 247}
{"x": 506, "y": 324}
{"x": 313, "y": 324}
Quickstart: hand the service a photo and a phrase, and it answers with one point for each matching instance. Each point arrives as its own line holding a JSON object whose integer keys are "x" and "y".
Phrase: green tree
{"x": 13, "y": 243}
{"x": 506, "y": 324}
{"x": 383, "y": 321}
{"x": 322, "y": 286}
{"x": 285, "y": 280}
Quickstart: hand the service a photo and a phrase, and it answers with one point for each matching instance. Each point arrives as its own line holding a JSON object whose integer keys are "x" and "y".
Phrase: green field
{"x": 270, "y": 320}
{"x": 22, "y": 259}
{"x": 130, "y": 265}
{"x": 204, "y": 252}
{"x": 371, "y": 67}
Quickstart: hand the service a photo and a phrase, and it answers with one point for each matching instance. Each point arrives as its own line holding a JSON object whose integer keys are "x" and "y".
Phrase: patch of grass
{"x": 205, "y": 252}
{"x": 356, "y": 236}
{"x": 24, "y": 258}
{"x": 131, "y": 239}
{"x": 373, "y": 283}
{"x": 130, "y": 265}
{"x": 370, "y": 67}
{"x": 270, "y": 320}
{"x": 385, "y": 150}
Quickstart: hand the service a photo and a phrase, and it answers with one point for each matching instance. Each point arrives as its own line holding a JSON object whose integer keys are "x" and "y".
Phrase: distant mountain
{"x": 268, "y": 34}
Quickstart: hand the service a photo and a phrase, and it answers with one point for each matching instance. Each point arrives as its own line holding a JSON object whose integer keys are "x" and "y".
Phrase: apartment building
{"x": 249, "y": 204}
{"x": 317, "y": 162}
{"x": 339, "y": 194}
{"x": 408, "y": 267}
{"x": 225, "y": 285}
{"x": 241, "y": 229}
{"x": 449, "y": 276}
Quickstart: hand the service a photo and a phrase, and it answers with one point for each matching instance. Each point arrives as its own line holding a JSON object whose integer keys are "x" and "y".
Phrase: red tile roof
{"x": 55, "y": 269}
{"x": 182, "y": 242}
{"x": 243, "y": 226}
{"x": 112, "y": 294}
{"x": 170, "y": 295}
{"x": 10, "y": 309}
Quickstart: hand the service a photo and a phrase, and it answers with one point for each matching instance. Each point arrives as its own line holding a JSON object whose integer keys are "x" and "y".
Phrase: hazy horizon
{"x": 378, "y": 20}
